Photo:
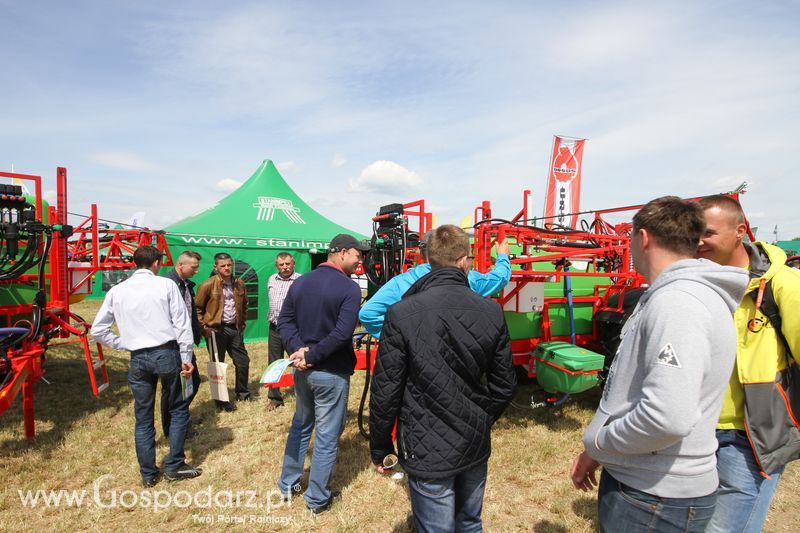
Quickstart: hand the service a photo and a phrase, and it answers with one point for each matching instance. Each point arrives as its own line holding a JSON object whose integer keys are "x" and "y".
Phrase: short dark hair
{"x": 145, "y": 256}
{"x": 284, "y": 255}
{"x": 724, "y": 203}
{"x": 221, "y": 256}
{"x": 191, "y": 254}
{"x": 446, "y": 245}
{"x": 676, "y": 224}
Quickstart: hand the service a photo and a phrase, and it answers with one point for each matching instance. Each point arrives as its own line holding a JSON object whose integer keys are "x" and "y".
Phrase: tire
{"x": 610, "y": 323}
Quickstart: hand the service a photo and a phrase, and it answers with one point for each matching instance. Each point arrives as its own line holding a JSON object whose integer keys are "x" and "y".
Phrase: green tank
{"x": 529, "y": 325}
{"x": 564, "y": 367}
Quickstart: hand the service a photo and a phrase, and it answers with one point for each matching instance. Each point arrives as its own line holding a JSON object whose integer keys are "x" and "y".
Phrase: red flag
{"x": 564, "y": 181}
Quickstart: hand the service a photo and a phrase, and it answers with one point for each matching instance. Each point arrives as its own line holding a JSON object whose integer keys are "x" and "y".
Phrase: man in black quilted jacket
{"x": 444, "y": 369}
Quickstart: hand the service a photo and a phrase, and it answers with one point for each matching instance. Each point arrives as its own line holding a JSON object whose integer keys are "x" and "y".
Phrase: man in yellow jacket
{"x": 758, "y": 431}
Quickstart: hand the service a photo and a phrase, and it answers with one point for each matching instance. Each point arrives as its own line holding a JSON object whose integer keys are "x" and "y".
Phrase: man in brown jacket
{"x": 222, "y": 308}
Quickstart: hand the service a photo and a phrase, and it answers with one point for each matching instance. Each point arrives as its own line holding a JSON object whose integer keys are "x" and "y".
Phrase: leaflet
{"x": 274, "y": 371}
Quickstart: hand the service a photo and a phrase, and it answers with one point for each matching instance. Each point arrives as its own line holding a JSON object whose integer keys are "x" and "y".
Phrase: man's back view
{"x": 444, "y": 368}
{"x": 154, "y": 326}
{"x": 653, "y": 431}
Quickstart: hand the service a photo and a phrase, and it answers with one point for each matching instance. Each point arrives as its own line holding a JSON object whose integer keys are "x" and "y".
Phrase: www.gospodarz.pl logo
{"x": 158, "y": 500}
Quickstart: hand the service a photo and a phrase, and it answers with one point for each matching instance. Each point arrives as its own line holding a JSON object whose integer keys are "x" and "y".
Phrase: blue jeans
{"x": 148, "y": 366}
{"x": 322, "y": 402}
{"x": 744, "y": 495}
{"x": 449, "y": 504}
{"x": 166, "y": 419}
{"x": 623, "y": 508}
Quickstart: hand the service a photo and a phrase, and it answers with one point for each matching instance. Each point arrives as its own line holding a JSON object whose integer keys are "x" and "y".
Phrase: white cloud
{"x": 326, "y": 202}
{"x": 50, "y": 196}
{"x": 121, "y": 160}
{"x": 287, "y": 167}
{"x": 439, "y": 209}
{"x": 228, "y": 185}
{"x": 670, "y": 103}
{"x": 338, "y": 161}
{"x": 386, "y": 177}
{"x": 605, "y": 36}
{"x": 167, "y": 219}
{"x": 730, "y": 183}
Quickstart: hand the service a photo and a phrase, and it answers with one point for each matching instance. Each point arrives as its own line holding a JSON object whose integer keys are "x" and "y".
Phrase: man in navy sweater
{"x": 316, "y": 324}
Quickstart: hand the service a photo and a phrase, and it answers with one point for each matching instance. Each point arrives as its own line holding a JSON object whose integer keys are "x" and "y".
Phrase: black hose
{"x": 549, "y": 226}
{"x": 367, "y": 377}
{"x": 40, "y": 300}
{"x": 26, "y": 262}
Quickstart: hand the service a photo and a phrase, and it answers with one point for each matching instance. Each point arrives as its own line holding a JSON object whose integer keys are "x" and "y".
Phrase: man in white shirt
{"x": 277, "y": 288}
{"x": 155, "y": 327}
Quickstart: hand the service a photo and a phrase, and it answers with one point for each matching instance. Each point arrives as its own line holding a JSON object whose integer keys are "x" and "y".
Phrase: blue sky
{"x": 162, "y": 107}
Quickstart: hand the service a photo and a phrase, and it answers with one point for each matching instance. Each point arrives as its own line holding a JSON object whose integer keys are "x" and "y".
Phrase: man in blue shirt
{"x": 374, "y": 311}
{"x": 316, "y": 324}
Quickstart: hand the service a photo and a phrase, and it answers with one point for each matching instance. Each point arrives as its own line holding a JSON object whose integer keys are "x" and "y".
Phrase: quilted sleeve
{"x": 388, "y": 384}
{"x": 501, "y": 377}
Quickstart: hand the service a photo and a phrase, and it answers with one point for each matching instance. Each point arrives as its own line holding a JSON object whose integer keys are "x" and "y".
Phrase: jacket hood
{"x": 438, "y": 276}
{"x": 765, "y": 261}
{"x": 729, "y": 282}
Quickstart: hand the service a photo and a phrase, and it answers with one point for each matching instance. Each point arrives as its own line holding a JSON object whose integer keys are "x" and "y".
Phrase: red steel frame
{"x": 558, "y": 248}
{"x": 86, "y": 246}
{"x": 610, "y": 241}
{"x": 423, "y": 224}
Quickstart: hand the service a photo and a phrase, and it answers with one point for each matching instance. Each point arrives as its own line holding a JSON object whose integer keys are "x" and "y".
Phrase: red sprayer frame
{"x": 96, "y": 249}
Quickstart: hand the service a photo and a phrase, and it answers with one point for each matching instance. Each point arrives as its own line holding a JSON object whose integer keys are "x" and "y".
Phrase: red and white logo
{"x": 562, "y": 200}
{"x": 565, "y": 165}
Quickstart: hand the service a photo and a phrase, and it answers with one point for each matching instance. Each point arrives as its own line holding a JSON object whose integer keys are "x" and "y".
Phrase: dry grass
{"x": 81, "y": 438}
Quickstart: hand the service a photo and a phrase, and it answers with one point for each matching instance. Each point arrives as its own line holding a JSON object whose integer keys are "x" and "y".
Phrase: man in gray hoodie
{"x": 654, "y": 429}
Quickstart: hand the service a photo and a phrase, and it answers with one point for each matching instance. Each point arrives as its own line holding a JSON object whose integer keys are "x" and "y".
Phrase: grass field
{"x": 80, "y": 439}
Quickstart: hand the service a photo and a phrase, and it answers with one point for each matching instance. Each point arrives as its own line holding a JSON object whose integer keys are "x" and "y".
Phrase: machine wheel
{"x": 609, "y": 326}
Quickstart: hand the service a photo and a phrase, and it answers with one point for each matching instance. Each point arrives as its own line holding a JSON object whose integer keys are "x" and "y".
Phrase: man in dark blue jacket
{"x": 444, "y": 369}
{"x": 316, "y": 324}
{"x": 185, "y": 269}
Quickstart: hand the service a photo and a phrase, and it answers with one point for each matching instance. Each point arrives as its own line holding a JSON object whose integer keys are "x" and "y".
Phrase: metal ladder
{"x": 94, "y": 365}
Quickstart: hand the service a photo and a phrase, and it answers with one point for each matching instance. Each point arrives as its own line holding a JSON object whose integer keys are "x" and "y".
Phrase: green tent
{"x": 254, "y": 223}
{"x": 790, "y": 247}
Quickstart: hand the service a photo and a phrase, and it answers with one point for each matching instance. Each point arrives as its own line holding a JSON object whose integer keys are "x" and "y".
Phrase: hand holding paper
{"x": 298, "y": 359}
{"x": 274, "y": 371}
{"x": 187, "y": 387}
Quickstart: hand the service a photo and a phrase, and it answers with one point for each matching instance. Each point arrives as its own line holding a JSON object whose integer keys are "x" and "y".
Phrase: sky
{"x": 165, "y": 107}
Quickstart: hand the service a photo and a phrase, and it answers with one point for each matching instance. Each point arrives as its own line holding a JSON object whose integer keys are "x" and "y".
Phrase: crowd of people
{"x": 693, "y": 430}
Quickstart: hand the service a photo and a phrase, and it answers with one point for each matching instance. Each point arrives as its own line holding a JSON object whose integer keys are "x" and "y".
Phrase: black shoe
{"x": 336, "y": 495}
{"x": 274, "y": 404}
{"x": 248, "y": 398}
{"x": 186, "y": 472}
{"x": 228, "y": 407}
{"x": 151, "y": 482}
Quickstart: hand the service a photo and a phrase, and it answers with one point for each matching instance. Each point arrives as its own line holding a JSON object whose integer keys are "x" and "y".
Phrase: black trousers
{"x": 231, "y": 341}
{"x": 276, "y": 351}
{"x": 165, "y": 416}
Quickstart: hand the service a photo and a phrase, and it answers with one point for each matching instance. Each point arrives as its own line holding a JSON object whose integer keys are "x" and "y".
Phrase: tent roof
{"x": 790, "y": 247}
{"x": 263, "y": 207}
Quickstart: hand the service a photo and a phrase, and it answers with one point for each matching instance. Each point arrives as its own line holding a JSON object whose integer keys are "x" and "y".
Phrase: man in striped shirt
{"x": 277, "y": 288}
